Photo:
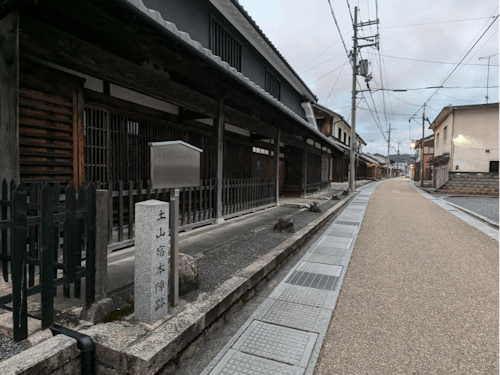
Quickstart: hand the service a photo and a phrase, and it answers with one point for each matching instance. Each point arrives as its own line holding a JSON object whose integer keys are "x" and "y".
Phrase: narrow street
{"x": 420, "y": 295}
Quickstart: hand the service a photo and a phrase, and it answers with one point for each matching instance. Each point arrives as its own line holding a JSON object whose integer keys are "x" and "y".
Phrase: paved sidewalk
{"x": 420, "y": 296}
{"x": 285, "y": 334}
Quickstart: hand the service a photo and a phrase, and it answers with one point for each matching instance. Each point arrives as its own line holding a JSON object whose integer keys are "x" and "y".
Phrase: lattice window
{"x": 273, "y": 85}
{"x": 225, "y": 46}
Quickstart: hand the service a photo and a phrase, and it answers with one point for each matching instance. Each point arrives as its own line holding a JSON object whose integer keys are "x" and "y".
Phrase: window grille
{"x": 225, "y": 46}
{"x": 273, "y": 85}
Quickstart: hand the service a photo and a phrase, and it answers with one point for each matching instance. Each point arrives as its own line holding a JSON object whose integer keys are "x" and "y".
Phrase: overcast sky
{"x": 305, "y": 34}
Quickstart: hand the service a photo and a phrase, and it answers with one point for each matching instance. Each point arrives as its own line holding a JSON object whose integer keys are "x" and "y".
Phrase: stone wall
{"x": 471, "y": 183}
{"x": 58, "y": 355}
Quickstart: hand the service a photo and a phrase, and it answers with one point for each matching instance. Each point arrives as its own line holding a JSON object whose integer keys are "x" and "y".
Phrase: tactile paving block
{"x": 292, "y": 315}
{"x": 282, "y": 344}
{"x": 304, "y": 296}
{"x": 238, "y": 363}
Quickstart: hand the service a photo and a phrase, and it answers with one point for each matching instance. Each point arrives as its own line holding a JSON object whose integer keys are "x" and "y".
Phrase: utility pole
{"x": 422, "y": 146}
{"x": 488, "y": 77}
{"x": 397, "y": 163}
{"x": 352, "y": 175}
{"x": 388, "y": 152}
{"x": 354, "y": 53}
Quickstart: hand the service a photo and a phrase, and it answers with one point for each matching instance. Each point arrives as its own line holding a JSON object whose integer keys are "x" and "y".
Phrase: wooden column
{"x": 277, "y": 164}
{"x": 330, "y": 162}
{"x": 219, "y": 153}
{"x": 304, "y": 170}
{"x": 9, "y": 97}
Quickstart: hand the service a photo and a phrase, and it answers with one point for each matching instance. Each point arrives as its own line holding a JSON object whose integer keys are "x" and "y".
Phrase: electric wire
{"x": 430, "y": 61}
{"x": 335, "y": 84}
{"x": 324, "y": 62}
{"x": 461, "y": 60}
{"x": 433, "y": 23}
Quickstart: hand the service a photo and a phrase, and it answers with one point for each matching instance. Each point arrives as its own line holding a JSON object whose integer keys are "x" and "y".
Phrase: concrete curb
{"x": 480, "y": 217}
{"x": 148, "y": 349}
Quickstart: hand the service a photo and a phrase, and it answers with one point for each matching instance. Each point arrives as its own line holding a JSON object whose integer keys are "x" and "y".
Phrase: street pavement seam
{"x": 286, "y": 332}
{"x": 478, "y": 224}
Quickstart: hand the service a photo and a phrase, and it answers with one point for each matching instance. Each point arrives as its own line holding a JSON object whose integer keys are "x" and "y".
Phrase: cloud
{"x": 302, "y": 30}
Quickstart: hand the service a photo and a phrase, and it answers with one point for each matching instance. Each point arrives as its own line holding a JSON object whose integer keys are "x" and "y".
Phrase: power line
{"x": 335, "y": 84}
{"x": 326, "y": 74}
{"x": 338, "y": 28}
{"x": 300, "y": 70}
{"x": 463, "y": 58}
{"x": 395, "y": 114}
{"x": 324, "y": 62}
{"x": 427, "y": 61}
{"x": 433, "y": 23}
{"x": 457, "y": 65}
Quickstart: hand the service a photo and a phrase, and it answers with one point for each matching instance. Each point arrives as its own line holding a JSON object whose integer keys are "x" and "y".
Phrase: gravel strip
{"x": 487, "y": 207}
{"x": 218, "y": 264}
{"x": 8, "y": 348}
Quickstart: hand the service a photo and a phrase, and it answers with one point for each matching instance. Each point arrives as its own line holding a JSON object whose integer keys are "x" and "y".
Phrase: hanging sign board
{"x": 174, "y": 164}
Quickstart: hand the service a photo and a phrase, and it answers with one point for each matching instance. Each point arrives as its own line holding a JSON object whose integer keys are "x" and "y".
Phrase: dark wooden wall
{"x": 50, "y": 126}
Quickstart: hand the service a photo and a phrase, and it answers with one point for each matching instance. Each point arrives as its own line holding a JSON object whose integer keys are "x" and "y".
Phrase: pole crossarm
{"x": 368, "y": 23}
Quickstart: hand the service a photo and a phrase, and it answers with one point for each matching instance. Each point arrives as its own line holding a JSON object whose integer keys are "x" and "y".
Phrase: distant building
{"x": 466, "y": 149}
{"x": 428, "y": 153}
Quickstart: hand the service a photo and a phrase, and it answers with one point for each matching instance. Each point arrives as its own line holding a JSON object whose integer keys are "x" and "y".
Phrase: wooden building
{"x": 336, "y": 128}
{"x": 86, "y": 84}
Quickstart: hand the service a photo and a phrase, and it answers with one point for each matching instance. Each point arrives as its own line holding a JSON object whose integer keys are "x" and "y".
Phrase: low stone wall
{"x": 130, "y": 348}
{"x": 471, "y": 183}
{"x": 58, "y": 355}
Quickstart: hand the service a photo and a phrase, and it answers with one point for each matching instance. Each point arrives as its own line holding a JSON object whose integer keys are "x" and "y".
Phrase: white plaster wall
{"x": 147, "y": 101}
{"x": 441, "y": 146}
{"x": 475, "y": 132}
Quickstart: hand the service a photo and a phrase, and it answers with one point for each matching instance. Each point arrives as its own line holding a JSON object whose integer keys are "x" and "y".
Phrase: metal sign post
{"x": 174, "y": 164}
{"x": 174, "y": 247}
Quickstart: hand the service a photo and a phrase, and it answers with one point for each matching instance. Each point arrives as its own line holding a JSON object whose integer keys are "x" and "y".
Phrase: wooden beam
{"x": 186, "y": 114}
{"x": 277, "y": 164}
{"x": 48, "y": 43}
{"x": 219, "y": 154}
{"x": 9, "y": 97}
{"x": 237, "y": 118}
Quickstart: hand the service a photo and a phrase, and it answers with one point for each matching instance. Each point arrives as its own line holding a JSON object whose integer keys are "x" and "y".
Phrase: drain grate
{"x": 313, "y": 280}
{"x": 347, "y": 223}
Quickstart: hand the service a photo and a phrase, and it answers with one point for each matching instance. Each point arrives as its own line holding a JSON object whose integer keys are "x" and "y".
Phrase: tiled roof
{"x": 172, "y": 28}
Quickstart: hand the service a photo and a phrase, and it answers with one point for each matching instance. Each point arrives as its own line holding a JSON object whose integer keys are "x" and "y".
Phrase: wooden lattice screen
{"x": 116, "y": 144}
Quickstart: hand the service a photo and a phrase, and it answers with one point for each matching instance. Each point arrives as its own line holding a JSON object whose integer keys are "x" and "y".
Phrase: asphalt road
{"x": 420, "y": 295}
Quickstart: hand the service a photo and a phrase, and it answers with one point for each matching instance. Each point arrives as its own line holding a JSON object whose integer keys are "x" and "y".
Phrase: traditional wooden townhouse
{"x": 336, "y": 128}
{"x": 86, "y": 84}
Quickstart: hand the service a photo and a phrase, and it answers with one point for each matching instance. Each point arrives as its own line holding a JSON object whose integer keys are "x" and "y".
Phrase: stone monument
{"x": 152, "y": 252}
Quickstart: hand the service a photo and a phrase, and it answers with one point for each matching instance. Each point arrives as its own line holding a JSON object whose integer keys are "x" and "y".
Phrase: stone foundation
{"x": 471, "y": 183}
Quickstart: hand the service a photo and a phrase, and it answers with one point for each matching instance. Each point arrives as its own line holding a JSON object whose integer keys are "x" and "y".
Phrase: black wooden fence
{"x": 240, "y": 195}
{"x": 196, "y": 204}
{"x": 43, "y": 242}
